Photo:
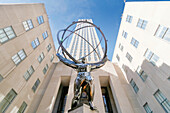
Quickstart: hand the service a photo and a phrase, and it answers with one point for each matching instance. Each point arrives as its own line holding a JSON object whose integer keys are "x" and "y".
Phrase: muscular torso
{"x": 83, "y": 68}
{"x": 84, "y": 72}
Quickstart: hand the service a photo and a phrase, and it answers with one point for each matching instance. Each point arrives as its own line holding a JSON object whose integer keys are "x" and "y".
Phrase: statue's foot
{"x": 74, "y": 103}
{"x": 92, "y": 107}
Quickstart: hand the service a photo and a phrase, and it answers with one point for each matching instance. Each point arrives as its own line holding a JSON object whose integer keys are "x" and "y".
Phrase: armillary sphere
{"x": 63, "y": 37}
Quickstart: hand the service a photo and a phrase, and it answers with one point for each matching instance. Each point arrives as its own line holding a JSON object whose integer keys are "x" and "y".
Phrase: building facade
{"x": 142, "y": 53}
{"x": 26, "y": 54}
{"x": 79, "y": 47}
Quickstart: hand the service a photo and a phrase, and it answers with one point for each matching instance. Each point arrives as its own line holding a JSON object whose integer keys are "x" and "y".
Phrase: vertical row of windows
{"x": 165, "y": 103}
{"x": 163, "y": 33}
{"x": 20, "y": 56}
{"x": 89, "y": 56}
{"x": 141, "y": 73}
{"x": 41, "y": 57}
{"x": 124, "y": 34}
{"x": 142, "y": 23}
{"x": 96, "y": 45}
{"x": 81, "y": 45}
{"x": 28, "y": 24}
{"x": 6, "y": 34}
{"x": 40, "y": 19}
{"x": 48, "y": 47}
{"x": 85, "y": 42}
{"x": 45, "y": 35}
{"x": 129, "y": 18}
{"x": 92, "y": 38}
{"x": 135, "y": 87}
{"x": 129, "y": 57}
{"x": 75, "y": 50}
{"x": 28, "y": 73}
{"x": 153, "y": 58}
{"x": 7, "y": 100}
{"x": 35, "y": 43}
{"x": 36, "y": 84}
{"x": 73, "y": 45}
{"x": 134, "y": 42}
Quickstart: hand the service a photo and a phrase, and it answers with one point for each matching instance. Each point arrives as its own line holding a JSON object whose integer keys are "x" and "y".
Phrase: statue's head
{"x": 83, "y": 60}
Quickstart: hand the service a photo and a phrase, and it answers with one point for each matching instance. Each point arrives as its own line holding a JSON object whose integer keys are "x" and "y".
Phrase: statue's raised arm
{"x": 98, "y": 64}
{"x": 66, "y": 61}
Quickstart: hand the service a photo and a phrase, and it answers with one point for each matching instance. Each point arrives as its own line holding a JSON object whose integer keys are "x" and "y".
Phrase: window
{"x": 147, "y": 108}
{"x": 45, "y": 35}
{"x": 40, "y": 20}
{"x": 61, "y": 100}
{"x": 121, "y": 47}
{"x": 124, "y": 34}
{"x": 41, "y": 57}
{"x": 36, "y": 84}
{"x": 129, "y": 57}
{"x": 48, "y": 47}
{"x": 1, "y": 78}
{"x": 7, "y": 100}
{"x": 153, "y": 58}
{"x": 163, "y": 33}
{"x": 52, "y": 57}
{"x": 35, "y": 43}
{"x": 107, "y": 100}
{"x": 134, "y": 42}
{"x": 45, "y": 69}
{"x": 17, "y": 58}
{"x": 165, "y": 103}
{"x": 29, "y": 72}
{"x": 135, "y": 87}
{"x": 142, "y": 23}
{"x": 141, "y": 73}
{"x": 168, "y": 78}
{"x": 28, "y": 24}
{"x": 6, "y": 34}
{"x": 118, "y": 58}
{"x": 129, "y": 18}
{"x": 22, "y": 108}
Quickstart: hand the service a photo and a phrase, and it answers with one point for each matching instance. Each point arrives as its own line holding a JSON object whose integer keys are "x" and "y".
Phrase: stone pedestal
{"x": 83, "y": 108}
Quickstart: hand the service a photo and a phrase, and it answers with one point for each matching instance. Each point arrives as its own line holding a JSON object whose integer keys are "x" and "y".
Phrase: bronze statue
{"x": 83, "y": 85}
{"x": 84, "y": 80}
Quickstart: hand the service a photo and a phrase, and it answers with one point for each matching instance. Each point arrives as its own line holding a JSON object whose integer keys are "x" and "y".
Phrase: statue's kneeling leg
{"x": 90, "y": 96}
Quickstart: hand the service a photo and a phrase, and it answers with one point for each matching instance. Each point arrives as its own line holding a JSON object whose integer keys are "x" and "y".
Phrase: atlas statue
{"x": 83, "y": 85}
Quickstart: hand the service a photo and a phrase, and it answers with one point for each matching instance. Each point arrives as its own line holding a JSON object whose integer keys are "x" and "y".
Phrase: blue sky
{"x": 105, "y": 13}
